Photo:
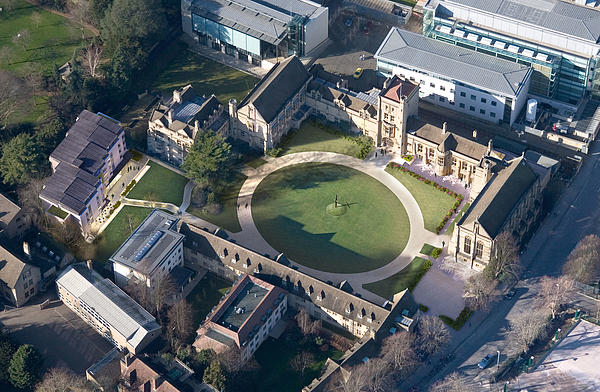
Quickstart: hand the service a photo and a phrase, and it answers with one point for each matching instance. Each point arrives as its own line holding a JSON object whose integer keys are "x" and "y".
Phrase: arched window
{"x": 467, "y": 247}
{"x": 479, "y": 249}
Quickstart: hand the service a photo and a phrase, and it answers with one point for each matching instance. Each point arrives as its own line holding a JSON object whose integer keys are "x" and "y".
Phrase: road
{"x": 575, "y": 216}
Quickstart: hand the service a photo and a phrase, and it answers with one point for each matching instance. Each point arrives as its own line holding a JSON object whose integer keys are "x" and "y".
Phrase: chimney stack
{"x": 474, "y": 133}
{"x": 26, "y": 249}
{"x": 156, "y": 381}
{"x": 89, "y": 264}
{"x": 196, "y": 127}
{"x": 170, "y": 116}
{"x": 444, "y": 127}
{"x": 490, "y": 146}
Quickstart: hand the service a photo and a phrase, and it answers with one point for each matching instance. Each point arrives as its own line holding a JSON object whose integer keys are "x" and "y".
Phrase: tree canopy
{"x": 22, "y": 160}
{"x": 583, "y": 264}
{"x": 208, "y": 161}
{"x": 25, "y": 367}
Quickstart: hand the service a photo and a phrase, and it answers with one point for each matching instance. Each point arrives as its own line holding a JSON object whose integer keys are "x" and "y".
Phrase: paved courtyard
{"x": 60, "y": 335}
{"x": 571, "y": 366}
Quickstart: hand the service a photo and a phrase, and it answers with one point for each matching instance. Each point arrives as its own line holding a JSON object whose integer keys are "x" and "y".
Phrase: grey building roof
{"x": 8, "y": 210}
{"x": 111, "y": 304}
{"x": 247, "y": 299}
{"x": 452, "y": 62}
{"x": 493, "y": 207}
{"x": 153, "y": 240}
{"x": 277, "y": 87}
{"x": 556, "y": 15}
{"x": 70, "y": 187}
{"x": 11, "y": 267}
{"x": 265, "y": 19}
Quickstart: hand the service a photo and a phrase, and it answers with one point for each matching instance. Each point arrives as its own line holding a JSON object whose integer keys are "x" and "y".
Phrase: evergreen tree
{"x": 215, "y": 376}
{"x": 25, "y": 367}
{"x": 22, "y": 160}
{"x": 209, "y": 159}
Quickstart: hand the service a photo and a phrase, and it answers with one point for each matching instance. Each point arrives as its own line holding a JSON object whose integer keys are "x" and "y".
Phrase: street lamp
{"x": 498, "y": 360}
{"x": 556, "y": 335}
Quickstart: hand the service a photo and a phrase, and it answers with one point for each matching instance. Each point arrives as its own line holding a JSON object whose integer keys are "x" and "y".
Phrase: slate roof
{"x": 115, "y": 307}
{"x": 560, "y": 16}
{"x": 11, "y": 267}
{"x": 330, "y": 92}
{"x": 447, "y": 141}
{"x": 8, "y": 210}
{"x": 277, "y": 87}
{"x": 493, "y": 207}
{"x": 452, "y": 62}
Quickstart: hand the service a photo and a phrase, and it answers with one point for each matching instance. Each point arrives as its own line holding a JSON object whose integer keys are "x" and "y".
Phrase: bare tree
{"x": 432, "y": 334}
{"x": 9, "y": 96}
{"x": 23, "y": 39}
{"x": 398, "y": 350}
{"x": 378, "y": 377}
{"x": 526, "y": 328}
{"x": 141, "y": 293}
{"x": 505, "y": 258}
{"x": 556, "y": 292}
{"x": 301, "y": 361}
{"x": 355, "y": 380}
{"x": 480, "y": 292}
{"x": 81, "y": 10}
{"x": 181, "y": 323}
{"x": 32, "y": 204}
{"x": 454, "y": 382}
{"x": 63, "y": 380}
{"x": 163, "y": 289}
{"x": 91, "y": 57}
{"x": 583, "y": 264}
{"x": 36, "y": 19}
{"x": 306, "y": 324}
{"x": 34, "y": 78}
{"x": 231, "y": 360}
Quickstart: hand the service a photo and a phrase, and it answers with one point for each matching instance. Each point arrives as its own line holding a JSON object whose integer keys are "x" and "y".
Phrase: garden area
{"x": 408, "y": 278}
{"x": 437, "y": 203}
{"x": 316, "y": 136}
{"x": 207, "y": 294}
{"x": 295, "y": 210}
{"x": 118, "y": 230}
{"x": 159, "y": 184}
{"x": 223, "y": 211}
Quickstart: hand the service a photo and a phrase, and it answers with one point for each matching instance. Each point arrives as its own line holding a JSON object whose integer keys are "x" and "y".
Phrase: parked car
{"x": 485, "y": 362}
{"x": 508, "y": 296}
{"x": 348, "y": 22}
{"x": 358, "y": 73}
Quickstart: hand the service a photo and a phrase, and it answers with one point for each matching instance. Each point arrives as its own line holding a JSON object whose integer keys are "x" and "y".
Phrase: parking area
{"x": 60, "y": 335}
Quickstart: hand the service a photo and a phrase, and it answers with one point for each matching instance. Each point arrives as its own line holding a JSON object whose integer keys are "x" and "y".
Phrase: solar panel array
{"x": 142, "y": 252}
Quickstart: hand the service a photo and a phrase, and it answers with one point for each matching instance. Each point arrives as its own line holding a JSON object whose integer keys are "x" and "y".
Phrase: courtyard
{"x": 314, "y": 136}
{"x": 289, "y": 208}
{"x": 159, "y": 184}
{"x": 207, "y": 294}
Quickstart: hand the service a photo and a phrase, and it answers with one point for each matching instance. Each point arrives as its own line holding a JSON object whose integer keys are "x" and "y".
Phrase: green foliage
{"x": 22, "y": 160}
{"x": 25, "y": 367}
{"x": 423, "y": 308}
{"x": 208, "y": 161}
{"x": 274, "y": 152}
{"x": 128, "y": 188}
{"x": 407, "y": 278}
{"x": 215, "y": 375}
{"x": 7, "y": 350}
{"x": 460, "y": 320}
{"x": 436, "y": 253}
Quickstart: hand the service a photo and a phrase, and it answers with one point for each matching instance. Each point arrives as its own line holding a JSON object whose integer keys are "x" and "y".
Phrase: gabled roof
{"x": 561, "y": 16}
{"x": 144, "y": 373}
{"x": 493, "y": 207}
{"x": 8, "y": 210}
{"x": 452, "y": 62}
{"x": 277, "y": 87}
{"x": 11, "y": 267}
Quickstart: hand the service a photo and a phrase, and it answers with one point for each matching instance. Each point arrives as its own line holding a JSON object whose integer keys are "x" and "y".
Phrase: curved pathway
{"x": 251, "y": 237}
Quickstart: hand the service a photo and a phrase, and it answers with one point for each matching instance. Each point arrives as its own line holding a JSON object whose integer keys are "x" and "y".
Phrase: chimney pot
{"x": 475, "y": 134}
{"x": 26, "y": 249}
{"x": 444, "y": 127}
{"x": 89, "y": 264}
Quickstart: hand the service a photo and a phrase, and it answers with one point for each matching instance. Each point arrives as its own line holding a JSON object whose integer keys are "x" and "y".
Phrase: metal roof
{"x": 476, "y": 69}
{"x": 560, "y": 16}
{"x": 115, "y": 307}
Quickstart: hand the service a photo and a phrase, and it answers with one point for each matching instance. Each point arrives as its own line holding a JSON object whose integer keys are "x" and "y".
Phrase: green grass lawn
{"x": 460, "y": 321}
{"x": 434, "y": 204}
{"x": 119, "y": 230}
{"x": 159, "y": 184}
{"x": 227, "y": 218}
{"x": 457, "y": 218}
{"x": 408, "y": 278}
{"x": 275, "y": 356}
{"x": 207, "y": 76}
{"x": 207, "y": 294}
{"x": 311, "y": 137}
{"x": 289, "y": 209}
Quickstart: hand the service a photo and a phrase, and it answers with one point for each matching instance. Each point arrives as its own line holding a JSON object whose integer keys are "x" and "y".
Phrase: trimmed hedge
{"x": 460, "y": 320}
{"x": 128, "y": 188}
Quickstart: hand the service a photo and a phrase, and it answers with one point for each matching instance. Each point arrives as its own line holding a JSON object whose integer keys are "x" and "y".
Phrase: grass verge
{"x": 408, "y": 278}
{"x": 119, "y": 229}
{"x": 460, "y": 320}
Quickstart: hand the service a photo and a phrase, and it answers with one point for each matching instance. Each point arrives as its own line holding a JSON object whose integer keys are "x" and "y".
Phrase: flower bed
{"x": 459, "y": 198}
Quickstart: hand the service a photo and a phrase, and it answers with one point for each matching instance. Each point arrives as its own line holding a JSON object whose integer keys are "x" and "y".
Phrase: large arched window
{"x": 467, "y": 247}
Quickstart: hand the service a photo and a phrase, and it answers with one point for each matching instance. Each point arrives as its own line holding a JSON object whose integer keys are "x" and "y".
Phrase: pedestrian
{"x": 443, "y": 243}
{"x": 375, "y": 154}
{"x": 246, "y": 205}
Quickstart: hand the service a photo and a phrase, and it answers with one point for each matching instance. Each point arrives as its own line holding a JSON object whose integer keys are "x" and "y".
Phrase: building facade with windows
{"x": 83, "y": 165}
{"x": 476, "y": 84}
{"x": 19, "y": 281}
{"x": 256, "y": 31}
{"x": 243, "y": 318}
{"x": 174, "y": 124}
{"x": 560, "y": 40}
{"x": 107, "y": 308}
{"x": 151, "y": 252}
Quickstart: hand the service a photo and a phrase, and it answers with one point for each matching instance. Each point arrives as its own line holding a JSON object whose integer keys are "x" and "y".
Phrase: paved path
{"x": 251, "y": 237}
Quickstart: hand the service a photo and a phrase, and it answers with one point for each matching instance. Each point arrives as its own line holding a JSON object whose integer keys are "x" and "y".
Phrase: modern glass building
{"x": 559, "y": 40}
{"x": 254, "y": 30}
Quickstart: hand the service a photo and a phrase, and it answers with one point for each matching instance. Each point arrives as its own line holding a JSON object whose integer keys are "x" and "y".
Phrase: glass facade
{"x": 232, "y": 38}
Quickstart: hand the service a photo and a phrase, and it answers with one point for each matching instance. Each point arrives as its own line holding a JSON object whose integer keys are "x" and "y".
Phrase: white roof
{"x": 500, "y": 44}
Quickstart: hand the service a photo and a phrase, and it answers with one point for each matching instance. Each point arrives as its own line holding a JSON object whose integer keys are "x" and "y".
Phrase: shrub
{"x": 274, "y": 152}
{"x": 128, "y": 188}
{"x": 423, "y": 308}
{"x": 436, "y": 253}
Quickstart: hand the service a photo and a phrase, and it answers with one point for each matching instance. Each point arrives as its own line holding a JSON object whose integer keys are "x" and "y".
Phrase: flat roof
{"x": 150, "y": 243}
{"x": 476, "y": 69}
{"x": 560, "y": 16}
{"x": 238, "y": 311}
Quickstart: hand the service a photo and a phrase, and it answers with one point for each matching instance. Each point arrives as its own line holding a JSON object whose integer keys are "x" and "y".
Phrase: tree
{"x": 91, "y": 57}
{"x": 301, "y": 361}
{"x": 81, "y": 10}
{"x": 215, "y": 375}
{"x": 31, "y": 203}
{"x": 353, "y": 381}
{"x": 9, "y": 96}
{"x": 63, "y": 380}
{"x": 480, "y": 291}
{"x": 163, "y": 289}
{"x": 432, "y": 334}
{"x": 34, "y": 78}
{"x": 504, "y": 261}
{"x": 181, "y": 322}
{"x": 7, "y": 350}
{"x": 9, "y": 5}
{"x": 378, "y": 378}
{"x": 556, "y": 292}
{"x": 306, "y": 324}
{"x": 209, "y": 159}
{"x": 398, "y": 350}
{"x": 583, "y": 264}
{"x": 25, "y": 367}
{"x": 22, "y": 160}
{"x": 454, "y": 382}
{"x": 526, "y": 328}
